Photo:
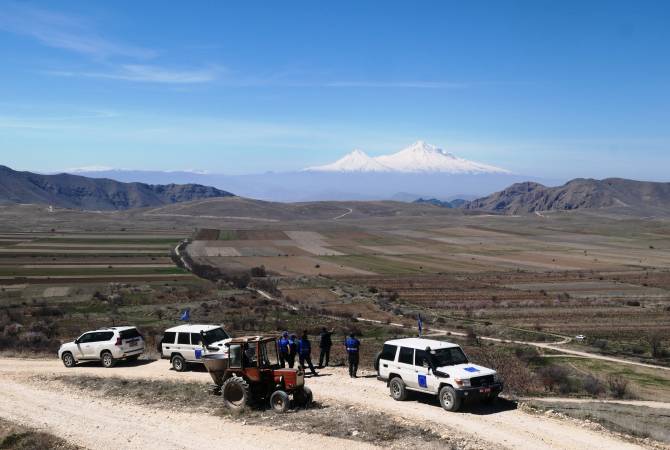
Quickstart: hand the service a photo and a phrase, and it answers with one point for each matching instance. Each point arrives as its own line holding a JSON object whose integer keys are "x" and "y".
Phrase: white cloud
{"x": 149, "y": 73}
{"x": 65, "y": 32}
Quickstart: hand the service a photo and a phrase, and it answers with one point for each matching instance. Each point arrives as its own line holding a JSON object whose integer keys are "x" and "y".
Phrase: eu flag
{"x": 186, "y": 315}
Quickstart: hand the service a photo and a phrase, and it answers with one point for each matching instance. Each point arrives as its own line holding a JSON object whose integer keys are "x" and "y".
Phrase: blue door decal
{"x": 422, "y": 381}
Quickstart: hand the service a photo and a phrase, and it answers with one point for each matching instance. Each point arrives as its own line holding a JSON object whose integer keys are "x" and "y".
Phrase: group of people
{"x": 291, "y": 346}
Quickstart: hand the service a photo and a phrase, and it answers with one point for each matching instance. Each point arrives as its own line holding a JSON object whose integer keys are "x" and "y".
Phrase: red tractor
{"x": 250, "y": 373}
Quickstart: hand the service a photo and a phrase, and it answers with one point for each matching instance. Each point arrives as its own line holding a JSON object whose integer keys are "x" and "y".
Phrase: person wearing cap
{"x": 284, "y": 349}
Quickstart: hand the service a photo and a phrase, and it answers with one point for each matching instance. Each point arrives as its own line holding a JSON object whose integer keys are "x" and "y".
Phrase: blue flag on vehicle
{"x": 186, "y": 315}
{"x": 420, "y": 323}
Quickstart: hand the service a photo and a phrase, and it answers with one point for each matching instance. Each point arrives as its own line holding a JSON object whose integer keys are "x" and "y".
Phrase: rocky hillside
{"x": 78, "y": 192}
{"x": 635, "y": 196}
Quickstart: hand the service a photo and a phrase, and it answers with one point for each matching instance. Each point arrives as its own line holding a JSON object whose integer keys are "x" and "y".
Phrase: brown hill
{"x": 77, "y": 192}
{"x": 640, "y": 197}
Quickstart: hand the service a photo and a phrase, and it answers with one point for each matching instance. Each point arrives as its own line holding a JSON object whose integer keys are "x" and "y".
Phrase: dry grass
{"x": 18, "y": 437}
{"x": 328, "y": 420}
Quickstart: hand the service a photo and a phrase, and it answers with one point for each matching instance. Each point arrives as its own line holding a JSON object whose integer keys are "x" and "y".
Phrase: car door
{"x": 85, "y": 345}
{"x": 184, "y": 346}
{"x": 196, "y": 344}
{"x": 425, "y": 378}
{"x": 405, "y": 367}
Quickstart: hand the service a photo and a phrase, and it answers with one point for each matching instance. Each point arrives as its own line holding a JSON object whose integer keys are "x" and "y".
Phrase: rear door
{"x": 387, "y": 359}
{"x": 131, "y": 340}
{"x": 168, "y": 343}
{"x": 184, "y": 346}
{"x": 406, "y": 366}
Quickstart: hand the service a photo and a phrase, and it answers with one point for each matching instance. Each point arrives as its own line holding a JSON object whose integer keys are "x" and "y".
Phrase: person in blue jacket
{"x": 305, "y": 353}
{"x": 284, "y": 349}
{"x": 352, "y": 346}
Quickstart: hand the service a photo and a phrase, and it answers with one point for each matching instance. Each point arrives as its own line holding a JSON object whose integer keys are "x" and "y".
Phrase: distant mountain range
{"x": 421, "y": 169}
{"x": 640, "y": 197}
{"x": 456, "y": 203}
{"x": 79, "y": 192}
{"x": 419, "y": 157}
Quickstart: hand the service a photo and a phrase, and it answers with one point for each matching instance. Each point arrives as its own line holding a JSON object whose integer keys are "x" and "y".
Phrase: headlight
{"x": 462, "y": 382}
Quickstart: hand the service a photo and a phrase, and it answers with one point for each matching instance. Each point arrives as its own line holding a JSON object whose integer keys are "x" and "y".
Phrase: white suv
{"x": 186, "y": 344}
{"x": 106, "y": 344}
{"x": 435, "y": 367}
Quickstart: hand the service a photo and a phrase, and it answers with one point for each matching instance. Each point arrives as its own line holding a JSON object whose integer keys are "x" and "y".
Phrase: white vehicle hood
{"x": 466, "y": 371}
{"x": 221, "y": 345}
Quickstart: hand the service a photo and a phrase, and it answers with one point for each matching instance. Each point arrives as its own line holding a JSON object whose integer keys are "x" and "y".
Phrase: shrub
{"x": 593, "y": 386}
{"x": 553, "y": 376}
{"x": 258, "y": 272}
{"x": 618, "y": 386}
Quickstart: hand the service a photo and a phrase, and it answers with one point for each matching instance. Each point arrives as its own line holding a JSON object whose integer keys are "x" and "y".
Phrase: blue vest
{"x": 305, "y": 347}
{"x": 352, "y": 345}
{"x": 283, "y": 345}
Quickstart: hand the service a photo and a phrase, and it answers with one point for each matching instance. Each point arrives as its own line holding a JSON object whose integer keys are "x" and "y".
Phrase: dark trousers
{"x": 308, "y": 359}
{"x": 291, "y": 360}
{"x": 353, "y": 364}
{"x": 283, "y": 358}
{"x": 324, "y": 356}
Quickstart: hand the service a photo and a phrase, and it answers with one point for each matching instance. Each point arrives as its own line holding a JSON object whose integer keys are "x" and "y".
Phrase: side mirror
{"x": 76, "y": 341}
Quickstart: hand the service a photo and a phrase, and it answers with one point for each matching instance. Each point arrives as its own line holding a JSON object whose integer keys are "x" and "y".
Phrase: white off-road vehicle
{"x": 435, "y": 367}
{"x": 186, "y": 344}
{"x": 107, "y": 345}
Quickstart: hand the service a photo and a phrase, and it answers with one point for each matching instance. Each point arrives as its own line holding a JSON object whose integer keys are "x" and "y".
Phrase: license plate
{"x": 485, "y": 390}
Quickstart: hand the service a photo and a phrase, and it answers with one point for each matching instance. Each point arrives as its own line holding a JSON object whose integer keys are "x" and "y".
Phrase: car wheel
{"x": 108, "y": 360}
{"x": 68, "y": 360}
{"x": 178, "y": 363}
{"x": 398, "y": 390}
{"x": 448, "y": 399}
{"x": 279, "y": 401}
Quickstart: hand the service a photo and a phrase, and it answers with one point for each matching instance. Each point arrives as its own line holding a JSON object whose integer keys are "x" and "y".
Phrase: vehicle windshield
{"x": 449, "y": 356}
{"x": 215, "y": 335}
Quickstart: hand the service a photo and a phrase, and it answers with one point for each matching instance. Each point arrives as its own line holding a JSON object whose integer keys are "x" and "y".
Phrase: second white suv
{"x": 107, "y": 345}
{"x": 435, "y": 367}
{"x": 186, "y": 344}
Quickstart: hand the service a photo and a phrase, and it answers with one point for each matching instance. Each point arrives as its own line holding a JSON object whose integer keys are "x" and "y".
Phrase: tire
{"x": 107, "y": 360}
{"x": 68, "y": 360}
{"x": 303, "y": 397}
{"x": 279, "y": 401}
{"x": 235, "y": 393}
{"x": 448, "y": 399}
{"x": 178, "y": 363}
{"x": 377, "y": 358}
{"x": 398, "y": 390}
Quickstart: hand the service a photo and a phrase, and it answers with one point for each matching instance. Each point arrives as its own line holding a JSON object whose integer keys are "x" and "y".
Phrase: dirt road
{"x": 509, "y": 428}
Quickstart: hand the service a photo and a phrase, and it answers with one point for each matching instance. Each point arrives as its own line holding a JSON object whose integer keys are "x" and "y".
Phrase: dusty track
{"x": 509, "y": 428}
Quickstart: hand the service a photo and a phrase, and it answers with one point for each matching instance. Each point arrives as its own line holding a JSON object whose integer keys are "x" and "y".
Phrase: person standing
{"x": 293, "y": 350}
{"x": 325, "y": 343}
{"x": 353, "y": 346}
{"x": 305, "y": 353}
{"x": 284, "y": 349}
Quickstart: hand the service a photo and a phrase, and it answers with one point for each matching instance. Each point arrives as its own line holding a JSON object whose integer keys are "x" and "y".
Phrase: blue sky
{"x": 545, "y": 88}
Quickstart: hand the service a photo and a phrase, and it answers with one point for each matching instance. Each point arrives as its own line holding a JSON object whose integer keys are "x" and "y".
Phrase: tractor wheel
{"x": 279, "y": 401}
{"x": 377, "y": 358}
{"x": 235, "y": 392}
{"x": 303, "y": 397}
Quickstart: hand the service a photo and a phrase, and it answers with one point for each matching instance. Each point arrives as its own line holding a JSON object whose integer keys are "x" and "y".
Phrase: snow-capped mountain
{"x": 356, "y": 161}
{"x": 418, "y": 157}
